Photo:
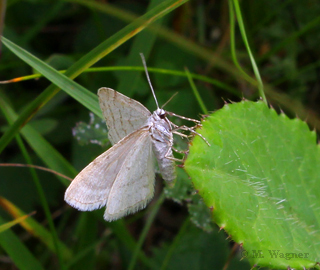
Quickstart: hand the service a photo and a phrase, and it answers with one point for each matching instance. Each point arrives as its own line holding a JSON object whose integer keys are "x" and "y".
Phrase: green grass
{"x": 209, "y": 52}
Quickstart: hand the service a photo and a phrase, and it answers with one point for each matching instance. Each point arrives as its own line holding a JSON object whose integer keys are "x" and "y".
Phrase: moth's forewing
{"x": 123, "y": 115}
{"x": 134, "y": 185}
{"x": 91, "y": 188}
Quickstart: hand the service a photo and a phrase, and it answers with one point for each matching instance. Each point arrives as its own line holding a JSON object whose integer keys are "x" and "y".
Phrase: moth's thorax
{"x": 160, "y": 126}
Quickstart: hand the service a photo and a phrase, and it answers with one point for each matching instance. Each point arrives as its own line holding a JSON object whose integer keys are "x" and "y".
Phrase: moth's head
{"x": 161, "y": 113}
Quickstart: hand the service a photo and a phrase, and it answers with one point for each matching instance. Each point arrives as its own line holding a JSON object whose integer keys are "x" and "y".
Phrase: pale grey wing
{"x": 123, "y": 115}
{"x": 134, "y": 186}
{"x": 91, "y": 187}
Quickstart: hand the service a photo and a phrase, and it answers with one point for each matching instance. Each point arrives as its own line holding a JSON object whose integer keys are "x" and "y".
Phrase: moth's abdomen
{"x": 163, "y": 153}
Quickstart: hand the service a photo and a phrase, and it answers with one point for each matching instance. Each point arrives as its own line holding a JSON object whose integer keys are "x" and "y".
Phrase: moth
{"x": 123, "y": 177}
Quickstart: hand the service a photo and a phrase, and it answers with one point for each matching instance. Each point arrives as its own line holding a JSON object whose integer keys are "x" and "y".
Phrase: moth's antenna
{"x": 146, "y": 70}
{"x": 176, "y": 93}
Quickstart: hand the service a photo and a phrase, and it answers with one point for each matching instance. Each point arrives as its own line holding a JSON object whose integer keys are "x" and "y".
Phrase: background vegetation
{"x": 284, "y": 39}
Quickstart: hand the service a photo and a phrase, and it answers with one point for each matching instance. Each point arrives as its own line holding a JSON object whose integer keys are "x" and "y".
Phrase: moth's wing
{"x": 123, "y": 115}
{"x": 91, "y": 187}
{"x": 134, "y": 186}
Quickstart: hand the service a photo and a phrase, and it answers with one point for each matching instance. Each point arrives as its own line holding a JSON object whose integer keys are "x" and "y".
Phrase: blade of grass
{"x": 196, "y": 93}
{"x": 106, "y": 8}
{"x": 145, "y": 231}
{"x": 51, "y": 157}
{"x": 246, "y": 43}
{"x": 88, "y": 60}
{"x": 2, "y": 15}
{"x": 40, "y": 191}
{"x": 43, "y": 199}
{"x": 72, "y": 88}
{"x": 17, "y": 251}
{"x": 42, "y": 21}
{"x": 174, "y": 244}
{"x": 36, "y": 229}
{"x": 142, "y": 43}
{"x": 213, "y": 59}
{"x": 233, "y": 43}
{"x": 10, "y": 224}
{"x": 201, "y": 17}
{"x": 169, "y": 35}
{"x": 120, "y": 230}
{"x": 137, "y": 68}
{"x": 84, "y": 252}
{"x": 210, "y": 57}
{"x": 276, "y": 11}
{"x": 86, "y": 234}
{"x": 309, "y": 26}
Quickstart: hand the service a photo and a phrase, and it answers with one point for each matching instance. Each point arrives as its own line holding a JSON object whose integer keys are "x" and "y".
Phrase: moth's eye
{"x": 162, "y": 116}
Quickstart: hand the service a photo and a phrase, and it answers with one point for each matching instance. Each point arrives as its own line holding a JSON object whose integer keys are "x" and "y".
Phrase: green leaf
{"x": 183, "y": 191}
{"x": 261, "y": 176}
{"x": 95, "y": 131}
{"x": 200, "y": 214}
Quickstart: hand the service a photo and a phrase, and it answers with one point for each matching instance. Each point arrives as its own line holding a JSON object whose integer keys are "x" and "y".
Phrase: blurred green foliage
{"x": 284, "y": 39}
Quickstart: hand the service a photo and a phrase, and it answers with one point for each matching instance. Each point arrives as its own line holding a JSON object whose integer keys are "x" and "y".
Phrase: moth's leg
{"x": 176, "y": 127}
{"x": 180, "y": 151}
{"x": 180, "y": 134}
{"x": 178, "y": 160}
{"x": 172, "y": 157}
{"x": 192, "y": 131}
{"x": 175, "y": 131}
{"x": 183, "y": 117}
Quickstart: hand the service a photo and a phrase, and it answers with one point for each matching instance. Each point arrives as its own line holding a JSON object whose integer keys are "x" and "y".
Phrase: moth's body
{"x": 158, "y": 125}
{"x": 122, "y": 178}
{"x": 160, "y": 130}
